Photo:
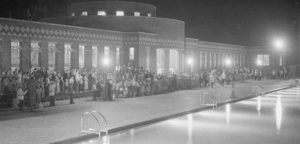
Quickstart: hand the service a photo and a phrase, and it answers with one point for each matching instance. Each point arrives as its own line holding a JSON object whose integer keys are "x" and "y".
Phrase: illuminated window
{"x": 95, "y": 56}
{"x": 174, "y": 61}
{"x": 149, "y": 15}
{"x": 160, "y": 60}
{"x": 118, "y": 56}
{"x": 101, "y": 13}
{"x": 73, "y": 14}
{"x": 34, "y": 54}
{"x": 119, "y": 13}
{"x": 131, "y": 53}
{"x": 137, "y": 14}
{"x": 67, "y": 56}
{"x": 84, "y": 13}
{"x": 263, "y": 59}
{"x": 81, "y": 56}
{"x": 51, "y": 55}
{"x": 15, "y": 54}
{"x": 106, "y": 51}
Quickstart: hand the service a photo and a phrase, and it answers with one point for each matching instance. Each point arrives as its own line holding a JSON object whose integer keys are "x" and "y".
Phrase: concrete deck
{"x": 62, "y": 122}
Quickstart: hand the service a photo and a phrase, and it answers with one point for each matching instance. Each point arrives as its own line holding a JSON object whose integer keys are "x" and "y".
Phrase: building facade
{"x": 125, "y": 33}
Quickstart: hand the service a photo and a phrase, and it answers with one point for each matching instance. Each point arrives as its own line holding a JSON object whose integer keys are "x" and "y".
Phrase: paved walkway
{"x": 63, "y": 121}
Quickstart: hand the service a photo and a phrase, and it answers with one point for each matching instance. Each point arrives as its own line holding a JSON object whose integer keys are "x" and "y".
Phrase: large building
{"x": 123, "y": 32}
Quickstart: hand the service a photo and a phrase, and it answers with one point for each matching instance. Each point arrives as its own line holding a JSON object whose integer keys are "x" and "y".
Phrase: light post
{"x": 105, "y": 64}
{"x": 258, "y": 62}
{"x": 190, "y": 62}
{"x": 228, "y": 62}
{"x": 279, "y": 45}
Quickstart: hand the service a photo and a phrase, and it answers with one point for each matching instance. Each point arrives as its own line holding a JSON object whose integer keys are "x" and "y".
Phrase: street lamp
{"x": 228, "y": 62}
{"x": 190, "y": 62}
{"x": 279, "y": 44}
{"x": 105, "y": 61}
{"x": 258, "y": 62}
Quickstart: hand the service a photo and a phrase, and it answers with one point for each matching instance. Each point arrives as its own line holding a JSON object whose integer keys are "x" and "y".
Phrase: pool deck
{"x": 61, "y": 124}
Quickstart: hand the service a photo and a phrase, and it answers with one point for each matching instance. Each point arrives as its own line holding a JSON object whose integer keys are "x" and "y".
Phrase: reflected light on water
{"x": 105, "y": 140}
{"x": 190, "y": 128}
{"x": 131, "y": 133}
{"x": 258, "y": 108}
{"x": 228, "y": 111}
{"x": 278, "y": 110}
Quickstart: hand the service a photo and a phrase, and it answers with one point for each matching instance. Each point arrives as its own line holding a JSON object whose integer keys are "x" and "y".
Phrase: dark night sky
{"x": 245, "y": 22}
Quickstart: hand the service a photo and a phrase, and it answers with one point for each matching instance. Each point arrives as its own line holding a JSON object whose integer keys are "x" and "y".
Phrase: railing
{"x": 213, "y": 96}
{"x": 95, "y": 123}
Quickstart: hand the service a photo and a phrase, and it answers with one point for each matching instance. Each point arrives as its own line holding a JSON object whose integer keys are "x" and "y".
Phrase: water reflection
{"x": 190, "y": 128}
{"x": 228, "y": 111}
{"x": 278, "y": 110}
{"x": 258, "y": 108}
{"x": 131, "y": 133}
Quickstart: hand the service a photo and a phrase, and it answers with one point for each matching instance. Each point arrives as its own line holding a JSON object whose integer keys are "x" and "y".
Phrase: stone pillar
{"x": 142, "y": 57}
{"x": 153, "y": 60}
{"x": 44, "y": 49}
{"x": 25, "y": 57}
{"x": 88, "y": 56}
{"x": 100, "y": 55}
{"x": 112, "y": 55}
{"x": 167, "y": 61}
{"x": 125, "y": 55}
{"x": 6, "y": 53}
{"x": 60, "y": 57}
{"x": 75, "y": 55}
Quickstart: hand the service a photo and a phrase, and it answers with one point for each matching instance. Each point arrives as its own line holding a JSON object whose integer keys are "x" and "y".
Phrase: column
{"x": 88, "y": 56}
{"x": 75, "y": 55}
{"x": 153, "y": 61}
{"x": 44, "y": 53}
{"x": 59, "y": 57}
{"x": 25, "y": 57}
{"x": 6, "y": 53}
{"x": 167, "y": 61}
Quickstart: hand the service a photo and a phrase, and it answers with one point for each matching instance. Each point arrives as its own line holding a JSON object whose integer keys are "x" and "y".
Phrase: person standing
{"x": 71, "y": 90}
{"x": 39, "y": 97}
{"x": 20, "y": 96}
{"x": 51, "y": 93}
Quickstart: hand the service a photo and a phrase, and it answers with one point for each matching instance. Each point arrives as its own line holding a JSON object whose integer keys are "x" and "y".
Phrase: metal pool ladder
{"x": 95, "y": 123}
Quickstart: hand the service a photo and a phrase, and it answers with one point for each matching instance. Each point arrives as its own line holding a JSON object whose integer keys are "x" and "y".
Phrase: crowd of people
{"x": 32, "y": 89}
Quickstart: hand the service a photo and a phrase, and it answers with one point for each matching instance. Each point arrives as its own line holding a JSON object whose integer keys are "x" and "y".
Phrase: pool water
{"x": 270, "y": 119}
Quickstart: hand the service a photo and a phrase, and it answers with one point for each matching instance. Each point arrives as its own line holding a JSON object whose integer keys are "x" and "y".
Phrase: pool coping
{"x": 163, "y": 118}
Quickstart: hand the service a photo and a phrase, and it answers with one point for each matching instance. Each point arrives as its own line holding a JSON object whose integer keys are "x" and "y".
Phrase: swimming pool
{"x": 272, "y": 118}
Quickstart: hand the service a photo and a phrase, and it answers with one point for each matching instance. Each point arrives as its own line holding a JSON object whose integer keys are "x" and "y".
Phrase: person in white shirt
{"x": 20, "y": 96}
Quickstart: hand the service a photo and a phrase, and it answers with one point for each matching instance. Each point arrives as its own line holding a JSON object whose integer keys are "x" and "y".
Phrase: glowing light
{"x": 106, "y": 61}
{"x": 278, "y": 43}
{"x": 190, "y": 61}
{"x": 228, "y": 111}
{"x": 259, "y": 62}
{"x": 228, "y": 62}
{"x": 258, "y": 108}
{"x": 105, "y": 139}
{"x": 278, "y": 113}
{"x": 190, "y": 127}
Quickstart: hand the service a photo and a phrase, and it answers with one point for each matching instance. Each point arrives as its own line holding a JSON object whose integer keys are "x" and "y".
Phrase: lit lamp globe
{"x": 228, "y": 62}
{"x": 279, "y": 44}
{"x": 105, "y": 61}
{"x": 258, "y": 62}
{"x": 190, "y": 61}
